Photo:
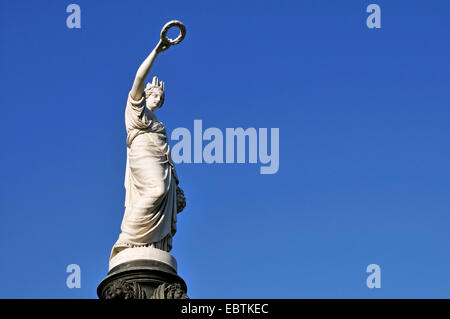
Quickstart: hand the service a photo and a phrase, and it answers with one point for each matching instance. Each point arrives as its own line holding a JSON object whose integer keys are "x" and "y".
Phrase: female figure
{"x": 153, "y": 197}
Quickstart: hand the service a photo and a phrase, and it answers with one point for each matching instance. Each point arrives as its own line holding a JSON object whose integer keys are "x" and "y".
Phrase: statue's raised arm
{"x": 137, "y": 91}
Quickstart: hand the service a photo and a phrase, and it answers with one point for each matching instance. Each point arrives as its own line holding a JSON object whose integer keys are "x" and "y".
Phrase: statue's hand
{"x": 181, "y": 200}
{"x": 162, "y": 46}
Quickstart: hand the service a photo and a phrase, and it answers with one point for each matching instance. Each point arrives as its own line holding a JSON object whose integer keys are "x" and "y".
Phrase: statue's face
{"x": 154, "y": 99}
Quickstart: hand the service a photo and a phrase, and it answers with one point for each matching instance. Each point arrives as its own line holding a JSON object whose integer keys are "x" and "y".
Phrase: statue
{"x": 153, "y": 197}
{"x": 140, "y": 265}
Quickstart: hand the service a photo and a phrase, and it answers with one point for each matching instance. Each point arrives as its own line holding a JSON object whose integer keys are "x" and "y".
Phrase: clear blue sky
{"x": 364, "y": 144}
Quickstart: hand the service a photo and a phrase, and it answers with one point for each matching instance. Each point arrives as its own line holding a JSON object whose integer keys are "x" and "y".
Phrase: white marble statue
{"x": 153, "y": 197}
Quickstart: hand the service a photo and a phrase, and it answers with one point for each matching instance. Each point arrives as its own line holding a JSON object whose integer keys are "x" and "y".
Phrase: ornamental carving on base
{"x": 169, "y": 291}
{"x": 122, "y": 289}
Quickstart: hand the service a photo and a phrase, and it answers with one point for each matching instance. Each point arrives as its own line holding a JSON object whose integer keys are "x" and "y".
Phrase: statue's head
{"x": 154, "y": 94}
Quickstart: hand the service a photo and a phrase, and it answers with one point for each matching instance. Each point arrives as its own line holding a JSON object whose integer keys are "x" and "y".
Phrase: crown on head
{"x": 156, "y": 84}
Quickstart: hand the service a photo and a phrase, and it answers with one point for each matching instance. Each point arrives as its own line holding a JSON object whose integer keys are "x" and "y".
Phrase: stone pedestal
{"x": 142, "y": 273}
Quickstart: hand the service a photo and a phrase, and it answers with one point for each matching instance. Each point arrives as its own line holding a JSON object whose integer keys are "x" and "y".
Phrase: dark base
{"x": 142, "y": 279}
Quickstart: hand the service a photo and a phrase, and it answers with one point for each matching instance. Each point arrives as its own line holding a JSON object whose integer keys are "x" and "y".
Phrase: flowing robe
{"x": 150, "y": 183}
